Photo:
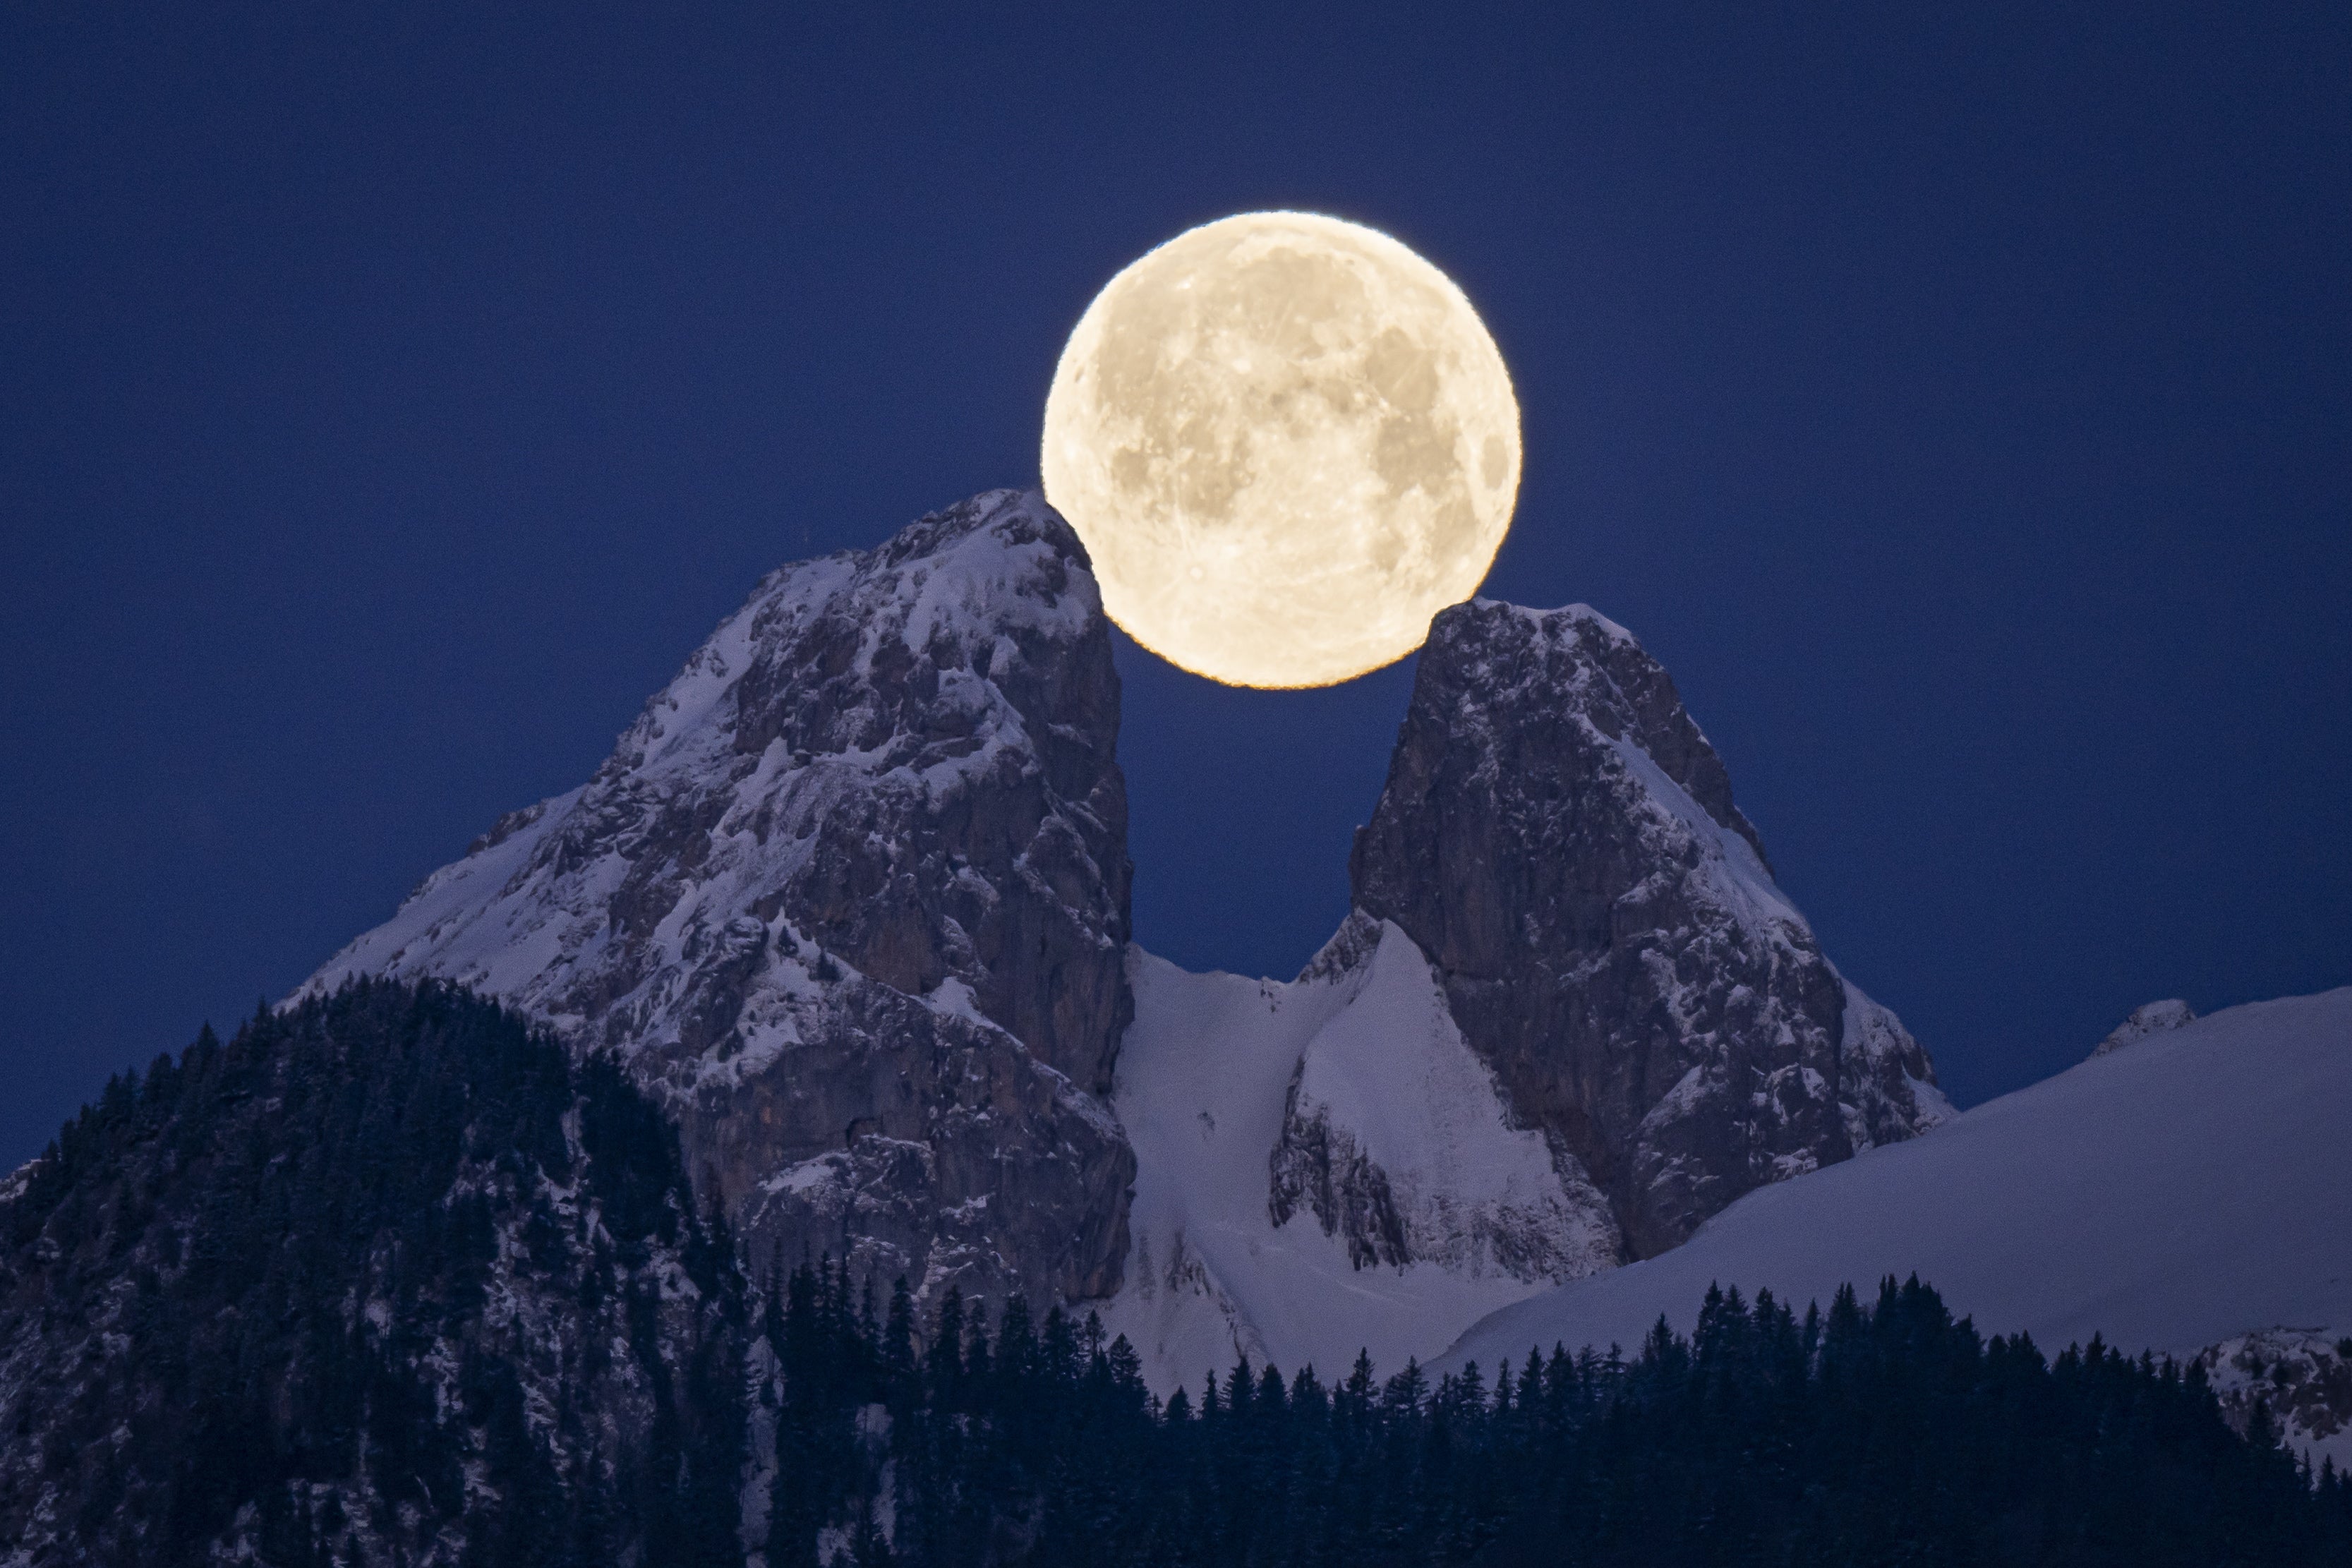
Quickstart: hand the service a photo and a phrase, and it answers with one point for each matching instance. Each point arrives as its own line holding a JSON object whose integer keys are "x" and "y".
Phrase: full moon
{"x": 1287, "y": 441}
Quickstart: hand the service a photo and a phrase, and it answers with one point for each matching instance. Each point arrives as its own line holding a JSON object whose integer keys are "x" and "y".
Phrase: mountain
{"x": 2186, "y": 1195}
{"x": 1570, "y": 1017}
{"x": 851, "y": 901}
{"x": 385, "y": 1277}
{"x": 827, "y": 971}
{"x": 1559, "y": 838}
{"x": 1255, "y": 1107}
{"x": 850, "y": 898}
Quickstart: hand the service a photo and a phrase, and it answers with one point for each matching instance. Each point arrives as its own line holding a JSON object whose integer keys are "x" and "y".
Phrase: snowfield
{"x": 2188, "y": 1189}
{"x": 1204, "y": 1080}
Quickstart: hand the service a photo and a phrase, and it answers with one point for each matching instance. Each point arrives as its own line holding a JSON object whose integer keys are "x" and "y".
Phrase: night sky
{"x": 1960, "y": 407}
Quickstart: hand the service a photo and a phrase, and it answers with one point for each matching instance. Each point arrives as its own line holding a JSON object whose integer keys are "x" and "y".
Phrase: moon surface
{"x": 1287, "y": 441}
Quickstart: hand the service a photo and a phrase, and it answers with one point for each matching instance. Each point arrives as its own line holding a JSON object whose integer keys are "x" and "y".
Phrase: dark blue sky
{"x": 1961, "y": 408}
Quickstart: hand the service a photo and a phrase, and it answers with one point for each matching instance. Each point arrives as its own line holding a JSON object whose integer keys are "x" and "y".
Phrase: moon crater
{"x": 1287, "y": 441}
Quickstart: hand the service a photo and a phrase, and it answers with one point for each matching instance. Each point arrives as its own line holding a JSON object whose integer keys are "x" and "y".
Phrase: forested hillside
{"x": 384, "y": 1278}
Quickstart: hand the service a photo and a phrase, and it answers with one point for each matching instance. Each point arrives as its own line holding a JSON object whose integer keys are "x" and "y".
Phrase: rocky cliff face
{"x": 851, "y": 898}
{"x": 1559, "y": 839}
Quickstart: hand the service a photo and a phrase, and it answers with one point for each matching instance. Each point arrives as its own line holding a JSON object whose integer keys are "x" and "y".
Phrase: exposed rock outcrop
{"x": 2301, "y": 1377}
{"x": 1561, "y": 840}
{"x": 851, "y": 898}
{"x": 2147, "y": 1018}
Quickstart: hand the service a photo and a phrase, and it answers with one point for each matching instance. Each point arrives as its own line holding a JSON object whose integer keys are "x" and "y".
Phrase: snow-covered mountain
{"x": 1560, "y": 839}
{"x": 851, "y": 898}
{"x": 2189, "y": 1195}
{"x": 1571, "y": 1016}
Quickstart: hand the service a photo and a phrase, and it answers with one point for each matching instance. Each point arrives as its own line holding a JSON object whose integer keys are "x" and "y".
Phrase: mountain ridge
{"x": 851, "y": 898}
{"x": 388, "y": 1276}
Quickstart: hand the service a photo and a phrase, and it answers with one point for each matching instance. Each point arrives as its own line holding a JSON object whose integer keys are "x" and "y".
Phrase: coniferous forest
{"x": 1879, "y": 1431}
{"x": 384, "y": 1278}
{"x": 389, "y": 1278}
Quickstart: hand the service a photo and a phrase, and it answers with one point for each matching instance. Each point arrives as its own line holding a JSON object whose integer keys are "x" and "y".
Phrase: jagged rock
{"x": 965, "y": 1161}
{"x": 851, "y": 898}
{"x": 1559, "y": 838}
{"x": 2147, "y": 1018}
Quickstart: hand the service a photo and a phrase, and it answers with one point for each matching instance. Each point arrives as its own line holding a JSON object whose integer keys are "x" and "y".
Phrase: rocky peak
{"x": 852, "y": 897}
{"x": 1559, "y": 839}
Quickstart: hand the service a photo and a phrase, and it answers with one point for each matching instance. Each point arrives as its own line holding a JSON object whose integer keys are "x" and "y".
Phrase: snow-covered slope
{"x": 2177, "y": 1195}
{"x": 1240, "y": 1095}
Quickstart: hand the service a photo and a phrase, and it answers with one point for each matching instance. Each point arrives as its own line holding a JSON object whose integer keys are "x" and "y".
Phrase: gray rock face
{"x": 1559, "y": 839}
{"x": 1319, "y": 1169}
{"x": 851, "y": 897}
{"x": 1322, "y": 1170}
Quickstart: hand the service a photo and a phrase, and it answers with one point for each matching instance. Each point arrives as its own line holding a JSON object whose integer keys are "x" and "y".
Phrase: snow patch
{"x": 1544, "y": 620}
{"x": 1733, "y": 871}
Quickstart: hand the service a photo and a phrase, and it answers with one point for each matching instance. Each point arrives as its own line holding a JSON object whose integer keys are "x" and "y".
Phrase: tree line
{"x": 1878, "y": 1431}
